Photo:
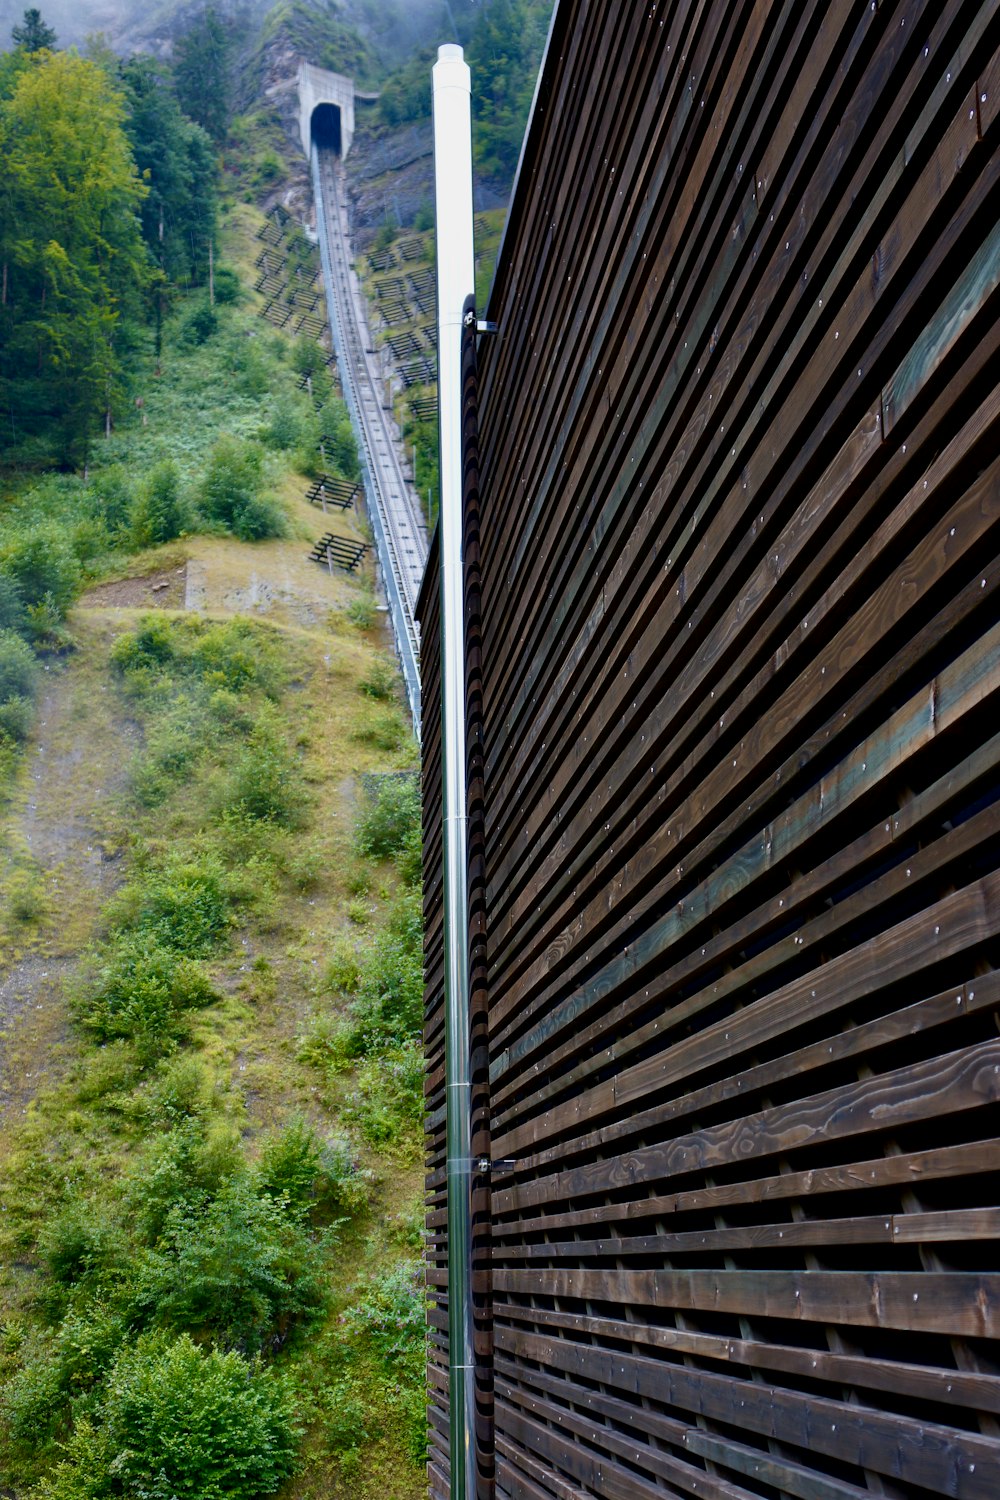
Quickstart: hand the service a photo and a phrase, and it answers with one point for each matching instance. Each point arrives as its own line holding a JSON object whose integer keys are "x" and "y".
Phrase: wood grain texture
{"x": 735, "y": 543}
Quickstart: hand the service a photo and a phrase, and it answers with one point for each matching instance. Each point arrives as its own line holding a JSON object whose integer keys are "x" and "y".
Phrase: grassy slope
{"x": 78, "y": 1115}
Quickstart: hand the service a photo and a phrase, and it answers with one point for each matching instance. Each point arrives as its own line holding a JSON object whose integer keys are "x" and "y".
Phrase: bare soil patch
{"x": 163, "y": 589}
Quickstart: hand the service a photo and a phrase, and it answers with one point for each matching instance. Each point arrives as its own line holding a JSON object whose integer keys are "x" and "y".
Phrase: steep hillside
{"x": 209, "y": 948}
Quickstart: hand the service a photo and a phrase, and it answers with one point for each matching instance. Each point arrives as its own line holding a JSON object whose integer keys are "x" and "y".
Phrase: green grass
{"x": 196, "y": 1170}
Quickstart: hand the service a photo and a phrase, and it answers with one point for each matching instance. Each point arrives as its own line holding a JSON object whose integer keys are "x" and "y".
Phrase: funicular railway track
{"x": 398, "y": 527}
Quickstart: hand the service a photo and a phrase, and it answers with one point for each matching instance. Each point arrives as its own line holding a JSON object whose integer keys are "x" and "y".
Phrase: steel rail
{"x": 397, "y": 525}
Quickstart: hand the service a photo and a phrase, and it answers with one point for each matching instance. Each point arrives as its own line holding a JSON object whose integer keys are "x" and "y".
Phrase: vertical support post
{"x": 455, "y": 283}
{"x": 479, "y": 1050}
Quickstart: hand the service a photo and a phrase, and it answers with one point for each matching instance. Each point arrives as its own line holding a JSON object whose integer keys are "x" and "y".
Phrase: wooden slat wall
{"x": 740, "y": 480}
{"x": 428, "y": 613}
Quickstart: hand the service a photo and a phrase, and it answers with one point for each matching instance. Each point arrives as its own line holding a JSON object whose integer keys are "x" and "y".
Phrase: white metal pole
{"x": 455, "y": 283}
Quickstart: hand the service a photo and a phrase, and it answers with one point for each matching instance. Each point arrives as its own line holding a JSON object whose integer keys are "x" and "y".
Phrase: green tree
{"x": 177, "y": 162}
{"x": 503, "y": 55}
{"x": 162, "y": 512}
{"x": 33, "y": 35}
{"x": 202, "y": 73}
{"x": 72, "y": 263}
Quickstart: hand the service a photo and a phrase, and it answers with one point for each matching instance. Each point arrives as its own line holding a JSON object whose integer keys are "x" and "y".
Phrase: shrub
{"x": 79, "y": 1242}
{"x": 89, "y": 538}
{"x": 199, "y": 327}
{"x": 181, "y": 1169}
{"x": 236, "y": 656}
{"x": 266, "y": 784}
{"x": 328, "y": 1043}
{"x": 388, "y": 1103}
{"x": 409, "y": 860}
{"x": 388, "y": 1319}
{"x": 284, "y": 429}
{"x": 259, "y": 517}
{"x": 34, "y": 1401}
{"x": 268, "y": 168}
{"x": 180, "y": 1091}
{"x": 305, "y": 1172}
{"x": 18, "y": 667}
{"x": 45, "y": 624}
{"x": 290, "y": 1164}
{"x": 26, "y": 898}
{"x": 338, "y": 438}
{"x": 232, "y": 479}
{"x": 230, "y": 492}
{"x": 173, "y": 746}
{"x": 183, "y": 906}
{"x": 179, "y": 1421}
{"x": 307, "y": 357}
{"x": 389, "y": 1314}
{"x": 363, "y": 610}
{"x": 227, "y": 285}
{"x": 16, "y": 716}
{"x": 230, "y": 657}
{"x": 389, "y": 1003}
{"x": 239, "y": 1266}
{"x": 252, "y": 367}
{"x": 114, "y": 499}
{"x": 381, "y": 679}
{"x": 42, "y": 566}
{"x": 150, "y": 646}
{"x": 391, "y": 818}
{"x": 12, "y": 612}
{"x": 139, "y": 992}
{"x": 161, "y": 512}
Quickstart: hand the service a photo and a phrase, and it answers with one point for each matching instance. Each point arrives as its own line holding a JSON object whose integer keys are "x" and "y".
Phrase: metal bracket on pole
{"x": 486, "y": 329}
{"x": 483, "y": 328}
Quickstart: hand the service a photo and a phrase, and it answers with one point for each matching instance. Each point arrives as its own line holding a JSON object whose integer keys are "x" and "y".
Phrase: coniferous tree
{"x": 177, "y": 163}
{"x": 33, "y": 35}
{"x": 201, "y": 73}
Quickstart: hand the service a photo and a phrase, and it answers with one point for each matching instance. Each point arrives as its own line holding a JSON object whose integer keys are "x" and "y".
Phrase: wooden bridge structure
{"x": 733, "y": 553}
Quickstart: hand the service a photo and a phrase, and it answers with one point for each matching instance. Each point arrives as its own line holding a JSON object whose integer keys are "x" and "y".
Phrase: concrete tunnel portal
{"x": 326, "y": 109}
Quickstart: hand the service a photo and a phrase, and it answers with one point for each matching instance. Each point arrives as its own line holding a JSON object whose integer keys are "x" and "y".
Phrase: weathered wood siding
{"x": 740, "y": 481}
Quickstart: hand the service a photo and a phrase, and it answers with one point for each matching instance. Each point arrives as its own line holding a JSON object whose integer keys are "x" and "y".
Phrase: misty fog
{"x": 397, "y": 26}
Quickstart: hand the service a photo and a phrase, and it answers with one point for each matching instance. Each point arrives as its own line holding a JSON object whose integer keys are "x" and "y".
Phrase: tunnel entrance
{"x": 326, "y": 127}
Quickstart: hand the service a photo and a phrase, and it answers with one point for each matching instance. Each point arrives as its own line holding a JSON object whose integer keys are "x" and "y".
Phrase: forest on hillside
{"x": 107, "y": 203}
{"x": 108, "y": 183}
{"x": 211, "y": 1079}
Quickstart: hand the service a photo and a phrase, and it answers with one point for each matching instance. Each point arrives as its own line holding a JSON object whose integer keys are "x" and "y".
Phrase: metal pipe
{"x": 455, "y": 283}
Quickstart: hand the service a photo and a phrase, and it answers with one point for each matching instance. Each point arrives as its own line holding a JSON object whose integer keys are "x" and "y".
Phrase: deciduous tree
{"x": 72, "y": 261}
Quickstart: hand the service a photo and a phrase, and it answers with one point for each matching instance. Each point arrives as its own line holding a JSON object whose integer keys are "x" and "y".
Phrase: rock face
{"x": 280, "y": 89}
{"x": 390, "y": 178}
